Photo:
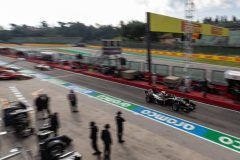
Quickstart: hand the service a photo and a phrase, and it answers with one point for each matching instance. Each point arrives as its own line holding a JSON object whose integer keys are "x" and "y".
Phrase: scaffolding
{"x": 188, "y": 30}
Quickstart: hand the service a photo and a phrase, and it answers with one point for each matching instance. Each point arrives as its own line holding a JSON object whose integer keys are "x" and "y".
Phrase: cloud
{"x": 178, "y": 5}
{"x": 238, "y": 2}
{"x": 208, "y": 4}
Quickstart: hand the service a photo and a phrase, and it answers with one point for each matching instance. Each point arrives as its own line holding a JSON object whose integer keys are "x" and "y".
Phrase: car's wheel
{"x": 156, "y": 101}
{"x": 192, "y": 106}
{"x": 21, "y": 78}
{"x": 175, "y": 106}
{"x": 148, "y": 99}
{"x": 186, "y": 110}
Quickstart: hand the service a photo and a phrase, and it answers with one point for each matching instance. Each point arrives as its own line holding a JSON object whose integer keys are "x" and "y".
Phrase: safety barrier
{"x": 34, "y": 45}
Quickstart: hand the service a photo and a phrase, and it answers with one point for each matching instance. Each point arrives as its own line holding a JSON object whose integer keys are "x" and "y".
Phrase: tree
{"x": 234, "y": 18}
{"x": 44, "y": 24}
{"x": 5, "y": 35}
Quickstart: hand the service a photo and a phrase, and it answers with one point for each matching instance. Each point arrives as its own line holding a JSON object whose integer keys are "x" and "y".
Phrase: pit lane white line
{"x": 18, "y": 94}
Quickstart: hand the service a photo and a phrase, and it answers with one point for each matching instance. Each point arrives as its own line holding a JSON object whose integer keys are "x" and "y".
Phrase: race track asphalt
{"x": 210, "y": 116}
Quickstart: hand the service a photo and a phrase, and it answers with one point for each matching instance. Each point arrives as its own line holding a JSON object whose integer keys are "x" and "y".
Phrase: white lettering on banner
{"x": 114, "y": 101}
{"x": 169, "y": 120}
{"x": 229, "y": 141}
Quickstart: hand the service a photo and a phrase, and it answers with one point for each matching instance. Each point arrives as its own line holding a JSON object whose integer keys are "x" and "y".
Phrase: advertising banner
{"x": 161, "y": 23}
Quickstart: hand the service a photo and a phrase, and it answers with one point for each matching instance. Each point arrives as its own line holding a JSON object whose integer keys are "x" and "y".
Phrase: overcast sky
{"x": 32, "y": 12}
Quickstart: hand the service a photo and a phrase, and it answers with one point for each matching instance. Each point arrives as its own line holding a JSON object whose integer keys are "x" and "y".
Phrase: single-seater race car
{"x": 163, "y": 98}
{"x": 12, "y": 75}
{"x": 43, "y": 67}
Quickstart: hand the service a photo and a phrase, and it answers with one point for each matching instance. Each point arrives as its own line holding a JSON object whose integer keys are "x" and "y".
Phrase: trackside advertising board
{"x": 219, "y": 138}
{"x": 161, "y": 23}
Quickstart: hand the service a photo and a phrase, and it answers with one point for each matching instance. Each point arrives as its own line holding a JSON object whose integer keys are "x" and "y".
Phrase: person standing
{"x": 107, "y": 140}
{"x": 54, "y": 122}
{"x": 72, "y": 97}
{"x": 119, "y": 122}
{"x": 45, "y": 101}
{"x": 93, "y": 137}
{"x": 42, "y": 104}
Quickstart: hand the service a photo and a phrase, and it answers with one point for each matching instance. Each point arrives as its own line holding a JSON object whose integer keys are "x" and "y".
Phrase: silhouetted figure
{"x": 107, "y": 140}
{"x": 119, "y": 123}
{"x": 93, "y": 137}
{"x": 204, "y": 87}
{"x": 72, "y": 97}
{"x": 42, "y": 104}
{"x": 54, "y": 123}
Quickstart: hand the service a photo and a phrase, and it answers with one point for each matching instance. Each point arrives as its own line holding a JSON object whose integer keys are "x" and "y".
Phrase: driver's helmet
{"x": 163, "y": 92}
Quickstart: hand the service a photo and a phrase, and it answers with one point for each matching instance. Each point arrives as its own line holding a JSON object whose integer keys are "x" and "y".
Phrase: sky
{"x": 92, "y": 12}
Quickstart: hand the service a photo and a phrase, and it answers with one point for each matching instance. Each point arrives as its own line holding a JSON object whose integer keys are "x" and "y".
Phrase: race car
{"x": 10, "y": 67}
{"x": 43, "y": 67}
{"x": 11, "y": 75}
{"x": 164, "y": 98}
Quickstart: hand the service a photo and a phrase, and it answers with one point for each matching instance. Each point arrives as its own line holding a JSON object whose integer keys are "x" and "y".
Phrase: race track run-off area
{"x": 219, "y": 138}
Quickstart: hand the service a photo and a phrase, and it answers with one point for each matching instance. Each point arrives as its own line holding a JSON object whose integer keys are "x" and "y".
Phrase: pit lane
{"x": 216, "y": 118}
{"x": 145, "y": 139}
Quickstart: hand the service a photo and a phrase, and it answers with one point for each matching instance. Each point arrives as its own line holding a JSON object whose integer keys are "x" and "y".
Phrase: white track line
{"x": 18, "y": 94}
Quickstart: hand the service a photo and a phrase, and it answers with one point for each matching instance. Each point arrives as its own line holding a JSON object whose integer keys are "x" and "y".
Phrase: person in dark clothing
{"x": 42, "y": 104}
{"x": 204, "y": 87}
{"x": 72, "y": 97}
{"x": 107, "y": 140}
{"x": 93, "y": 137}
{"x": 54, "y": 123}
{"x": 119, "y": 122}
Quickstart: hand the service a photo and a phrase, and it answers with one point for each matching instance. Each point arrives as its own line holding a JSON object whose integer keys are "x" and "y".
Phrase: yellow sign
{"x": 160, "y": 23}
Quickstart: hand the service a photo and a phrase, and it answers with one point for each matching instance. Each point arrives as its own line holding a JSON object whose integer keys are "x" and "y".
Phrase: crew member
{"x": 72, "y": 97}
{"x": 119, "y": 122}
{"x": 93, "y": 137}
{"x": 54, "y": 122}
{"x": 42, "y": 104}
{"x": 107, "y": 141}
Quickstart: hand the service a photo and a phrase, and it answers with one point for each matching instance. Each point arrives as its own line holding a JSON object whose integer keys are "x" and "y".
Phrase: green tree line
{"x": 134, "y": 30}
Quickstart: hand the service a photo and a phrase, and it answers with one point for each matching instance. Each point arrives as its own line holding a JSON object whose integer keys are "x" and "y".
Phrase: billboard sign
{"x": 161, "y": 23}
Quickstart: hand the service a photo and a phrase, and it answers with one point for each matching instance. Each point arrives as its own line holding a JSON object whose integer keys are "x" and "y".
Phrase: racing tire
{"x": 175, "y": 107}
{"x": 55, "y": 148}
{"x": 193, "y": 106}
{"x": 21, "y": 78}
{"x": 186, "y": 110}
{"x": 148, "y": 99}
{"x": 156, "y": 101}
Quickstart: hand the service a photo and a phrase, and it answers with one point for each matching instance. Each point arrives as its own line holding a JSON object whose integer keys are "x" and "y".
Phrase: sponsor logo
{"x": 230, "y": 142}
{"x": 169, "y": 120}
{"x": 113, "y": 101}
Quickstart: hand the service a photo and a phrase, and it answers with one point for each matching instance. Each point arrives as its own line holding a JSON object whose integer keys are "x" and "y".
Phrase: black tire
{"x": 186, "y": 110}
{"x": 175, "y": 107}
{"x": 148, "y": 99}
{"x": 21, "y": 78}
{"x": 156, "y": 101}
{"x": 193, "y": 106}
{"x": 55, "y": 148}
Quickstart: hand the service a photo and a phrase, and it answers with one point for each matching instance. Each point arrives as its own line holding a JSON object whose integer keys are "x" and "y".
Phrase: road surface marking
{"x": 222, "y": 139}
{"x": 18, "y": 94}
